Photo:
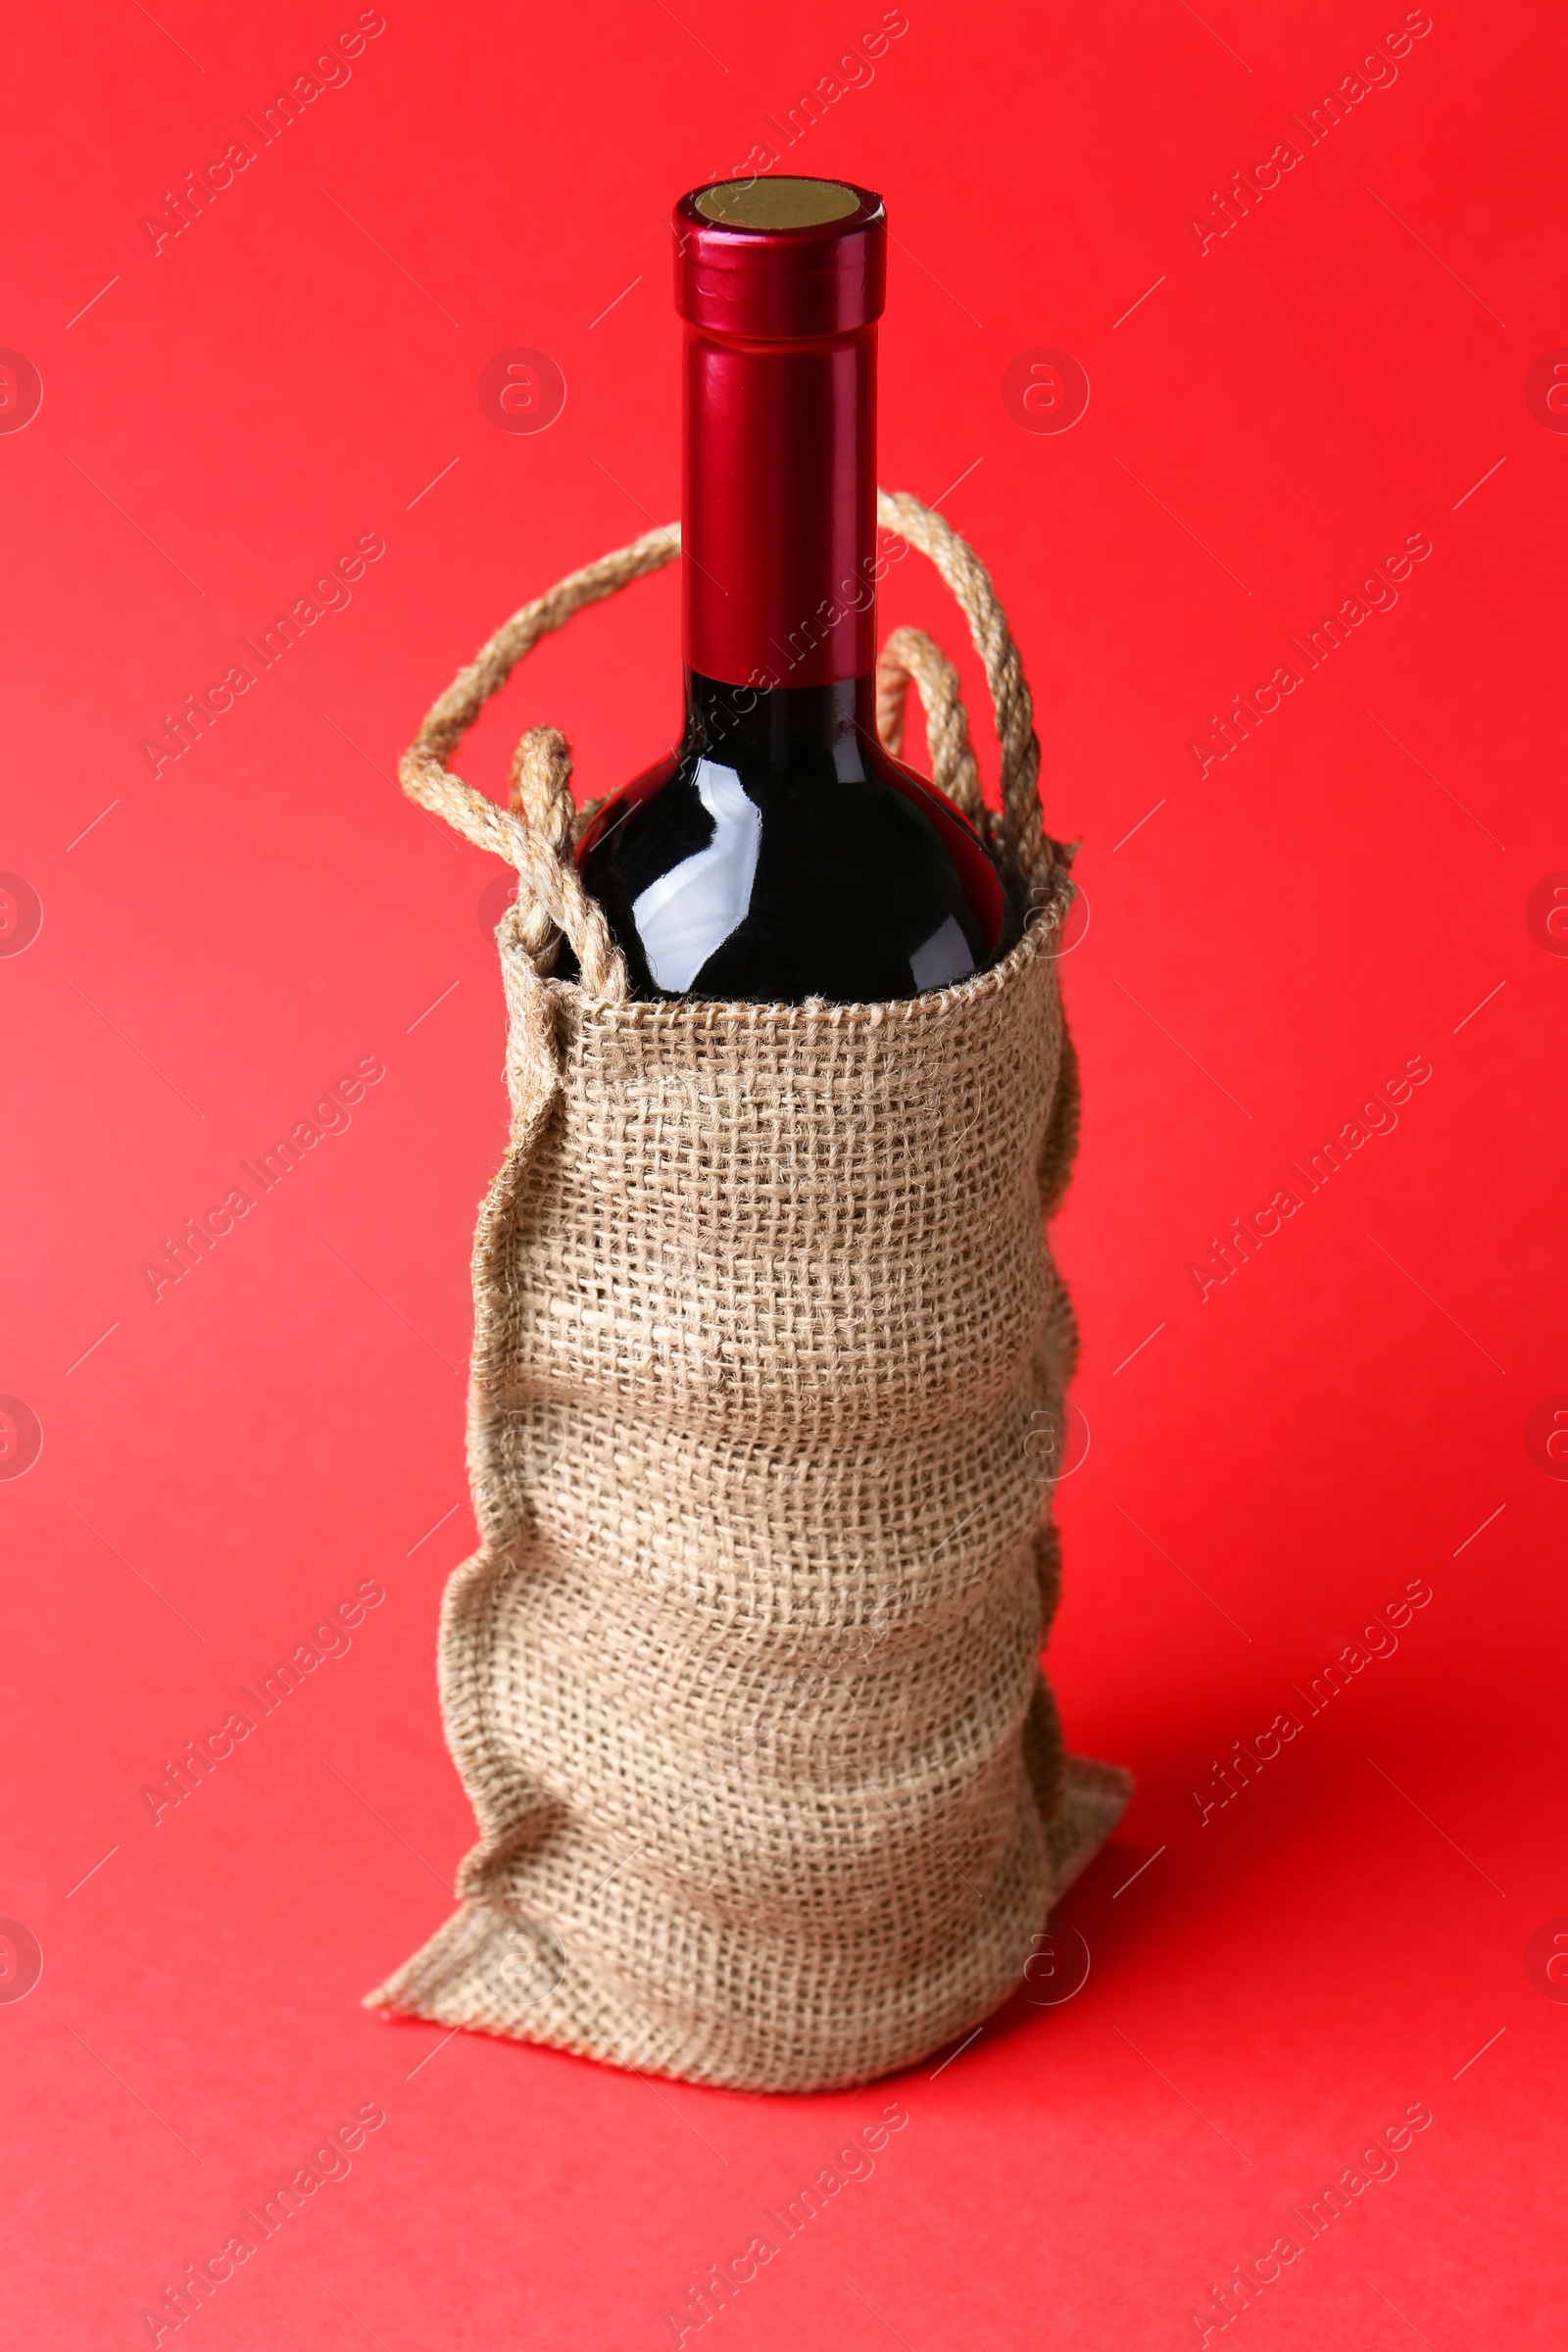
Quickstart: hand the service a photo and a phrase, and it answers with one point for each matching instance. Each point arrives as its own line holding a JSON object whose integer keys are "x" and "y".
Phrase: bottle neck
{"x": 779, "y": 546}
{"x": 775, "y": 727}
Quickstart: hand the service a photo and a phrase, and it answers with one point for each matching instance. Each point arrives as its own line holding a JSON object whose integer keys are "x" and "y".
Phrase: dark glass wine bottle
{"x": 780, "y": 853}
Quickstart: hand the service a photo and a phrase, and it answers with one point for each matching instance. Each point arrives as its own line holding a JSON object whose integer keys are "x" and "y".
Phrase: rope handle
{"x": 910, "y": 658}
{"x": 536, "y": 832}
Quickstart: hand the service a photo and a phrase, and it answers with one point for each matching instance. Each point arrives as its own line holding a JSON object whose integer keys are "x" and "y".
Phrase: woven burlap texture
{"x": 765, "y": 1410}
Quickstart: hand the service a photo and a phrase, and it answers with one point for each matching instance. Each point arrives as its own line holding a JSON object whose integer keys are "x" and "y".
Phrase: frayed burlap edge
{"x": 451, "y": 1981}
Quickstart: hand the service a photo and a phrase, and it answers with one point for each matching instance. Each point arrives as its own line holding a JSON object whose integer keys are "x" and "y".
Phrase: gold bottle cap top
{"x": 778, "y": 203}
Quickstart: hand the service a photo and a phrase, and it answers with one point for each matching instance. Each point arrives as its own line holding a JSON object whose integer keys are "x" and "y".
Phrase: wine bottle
{"x": 780, "y": 854}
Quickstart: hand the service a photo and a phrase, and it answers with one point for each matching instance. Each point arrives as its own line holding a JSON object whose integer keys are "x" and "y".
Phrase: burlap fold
{"x": 765, "y": 1410}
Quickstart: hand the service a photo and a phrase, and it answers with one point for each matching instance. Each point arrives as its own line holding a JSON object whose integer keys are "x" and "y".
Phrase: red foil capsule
{"x": 780, "y": 284}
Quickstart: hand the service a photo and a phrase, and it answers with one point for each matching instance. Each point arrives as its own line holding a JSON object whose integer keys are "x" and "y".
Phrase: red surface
{"x": 1347, "y": 890}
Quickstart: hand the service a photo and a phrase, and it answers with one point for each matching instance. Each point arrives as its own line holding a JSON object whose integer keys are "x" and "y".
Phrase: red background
{"x": 1276, "y": 1463}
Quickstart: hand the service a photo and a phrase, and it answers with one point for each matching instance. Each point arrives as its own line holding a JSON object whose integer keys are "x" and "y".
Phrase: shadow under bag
{"x": 765, "y": 1412}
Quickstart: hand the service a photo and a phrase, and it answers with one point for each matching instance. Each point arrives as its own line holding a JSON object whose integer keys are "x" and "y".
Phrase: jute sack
{"x": 765, "y": 1411}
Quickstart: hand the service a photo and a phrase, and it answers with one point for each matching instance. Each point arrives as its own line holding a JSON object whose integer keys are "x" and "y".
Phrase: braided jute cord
{"x": 536, "y": 832}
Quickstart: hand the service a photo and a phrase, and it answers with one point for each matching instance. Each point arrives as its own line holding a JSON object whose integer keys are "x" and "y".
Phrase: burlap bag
{"x": 765, "y": 1410}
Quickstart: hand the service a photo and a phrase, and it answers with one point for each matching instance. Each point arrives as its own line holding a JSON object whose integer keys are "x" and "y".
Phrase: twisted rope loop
{"x": 536, "y": 832}
{"x": 1022, "y": 831}
{"x": 910, "y": 658}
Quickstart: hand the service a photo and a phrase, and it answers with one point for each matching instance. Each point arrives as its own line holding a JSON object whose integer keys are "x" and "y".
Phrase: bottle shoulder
{"x": 845, "y": 789}
{"x": 779, "y": 872}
